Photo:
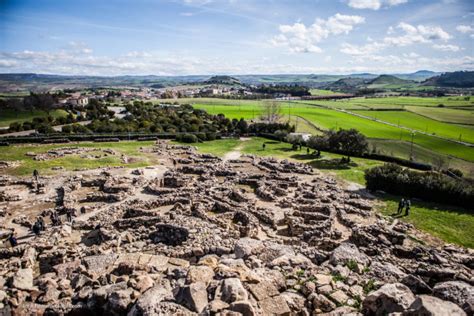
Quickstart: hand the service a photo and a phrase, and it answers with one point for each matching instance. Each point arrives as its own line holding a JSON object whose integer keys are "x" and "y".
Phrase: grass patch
{"x": 451, "y": 224}
{"x": 8, "y": 116}
{"x": 71, "y": 162}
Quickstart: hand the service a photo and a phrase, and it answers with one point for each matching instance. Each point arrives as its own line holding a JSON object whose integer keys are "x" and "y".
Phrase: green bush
{"x": 429, "y": 186}
{"x": 187, "y": 138}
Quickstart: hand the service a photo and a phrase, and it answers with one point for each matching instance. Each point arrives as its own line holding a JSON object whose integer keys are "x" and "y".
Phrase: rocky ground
{"x": 201, "y": 235}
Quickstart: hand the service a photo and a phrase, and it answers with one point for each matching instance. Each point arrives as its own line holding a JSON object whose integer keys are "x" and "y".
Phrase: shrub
{"x": 430, "y": 186}
{"x": 187, "y": 138}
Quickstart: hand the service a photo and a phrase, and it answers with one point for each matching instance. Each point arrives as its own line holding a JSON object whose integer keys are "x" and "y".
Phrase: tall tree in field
{"x": 352, "y": 142}
{"x": 271, "y": 111}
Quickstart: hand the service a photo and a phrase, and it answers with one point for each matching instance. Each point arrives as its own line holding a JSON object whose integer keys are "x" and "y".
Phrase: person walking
{"x": 69, "y": 215}
{"x": 83, "y": 210}
{"x": 263, "y": 146}
{"x": 407, "y": 207}
{"x": 41, "y": 223}
{"x": 12, "y": 239}
{"x": 401, "y": 205}
{"x": 36, "y": 175}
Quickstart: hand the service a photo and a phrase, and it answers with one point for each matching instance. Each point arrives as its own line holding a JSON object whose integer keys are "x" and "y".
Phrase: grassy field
{"x": 9, "y": 116}
{"x": 403, "y": 149}
{"x": 71, "y": 162}
{"x": 400, "y": 102}
{"x": 451, "y": 224}
{"x": 424, "y": 124}
{"x": 447, "y": 115}
{"x": 322, "y": 92}
{"x": 330, "y": 119}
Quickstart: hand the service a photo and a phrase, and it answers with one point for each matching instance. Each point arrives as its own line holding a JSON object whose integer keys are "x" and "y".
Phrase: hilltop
{"x": 458, "y": 79}
{"x": 388, "y": 79}
{"x": 223, "y": 80}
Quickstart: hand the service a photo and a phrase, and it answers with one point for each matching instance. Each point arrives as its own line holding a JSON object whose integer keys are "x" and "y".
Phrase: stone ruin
{"x": 249, "y": 236}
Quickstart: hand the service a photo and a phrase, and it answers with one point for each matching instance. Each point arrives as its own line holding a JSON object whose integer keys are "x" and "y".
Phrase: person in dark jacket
{"x": 407, "y": 207}
{"x": 401, "y": 205}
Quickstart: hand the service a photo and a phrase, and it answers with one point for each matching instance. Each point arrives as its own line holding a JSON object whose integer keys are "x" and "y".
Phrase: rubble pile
{"x": 253, "y": 236}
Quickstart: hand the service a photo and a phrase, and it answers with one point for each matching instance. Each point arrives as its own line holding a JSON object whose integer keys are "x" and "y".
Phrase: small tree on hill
{"x": 271, "y": 111}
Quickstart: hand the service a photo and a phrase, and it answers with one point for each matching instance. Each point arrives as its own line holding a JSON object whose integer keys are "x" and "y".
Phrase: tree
{"x": 352, "y": 142}
{"x": 271, "y": 111}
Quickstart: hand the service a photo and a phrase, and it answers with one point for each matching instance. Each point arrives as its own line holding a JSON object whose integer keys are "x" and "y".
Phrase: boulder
{"x": 194, "y": 296}
{"x": 386, "y": 272}
{"x": 202, "y": 273}
{"x": 322, "y": 303}
{"x": 346, "y": 252}
{"x": 243, "y": 308}
{"x": 275, "y": 306}
{"x": 231, "y": 290}
{"x": 23, "y": 279}
{"x": 149, "y": 303}
{"x": 457, "y": 292}
{"x": 390, "y": 298}
{"x": 432, "y": 306}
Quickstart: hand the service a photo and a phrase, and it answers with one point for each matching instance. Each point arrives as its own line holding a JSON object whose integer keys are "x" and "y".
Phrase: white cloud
{"x": 447, "y": 48}
{"x": 417, "y": 34}
{"x": 466, "y": 29}
{"x": 300, "y": 38}
{"x": 374, "y": 4}
{"x": 410, "y": 35}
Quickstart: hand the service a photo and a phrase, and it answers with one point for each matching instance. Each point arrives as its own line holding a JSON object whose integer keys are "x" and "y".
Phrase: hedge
{"x": 429, "y": 186}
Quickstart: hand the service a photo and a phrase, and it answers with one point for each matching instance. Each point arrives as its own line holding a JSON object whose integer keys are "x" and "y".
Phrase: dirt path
{"x": 235, "y": 154}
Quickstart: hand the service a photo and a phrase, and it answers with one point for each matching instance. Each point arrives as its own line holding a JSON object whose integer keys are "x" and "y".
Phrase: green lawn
{"x": 8, "y": 116}
{"x": 424, "y": 124}
{"x": 71, "y": 162}
{"x": 453, "y": 225}
{"x": 448, "y": 115}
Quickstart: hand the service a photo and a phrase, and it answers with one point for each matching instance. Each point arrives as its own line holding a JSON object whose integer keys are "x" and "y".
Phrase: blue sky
{"x": 186, "y": 37}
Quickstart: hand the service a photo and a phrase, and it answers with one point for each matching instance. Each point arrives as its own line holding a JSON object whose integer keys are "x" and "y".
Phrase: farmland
{"x": 9, "y": 116}
{"x": 327, "y": 118}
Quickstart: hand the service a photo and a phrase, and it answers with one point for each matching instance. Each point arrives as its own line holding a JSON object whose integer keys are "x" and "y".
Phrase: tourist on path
{"x": 401, "y": 205}
{"x": 407, "y": 207}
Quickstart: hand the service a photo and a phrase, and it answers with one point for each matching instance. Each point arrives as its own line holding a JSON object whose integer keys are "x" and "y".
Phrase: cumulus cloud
{"x": 417, "y": 34}
{"x": 447, "y": 48}
{"x": 300, "y": 38}
{"x": 374, "y": 4}
{"x": 409, "y": 35}
{"x": 465, "y": 29}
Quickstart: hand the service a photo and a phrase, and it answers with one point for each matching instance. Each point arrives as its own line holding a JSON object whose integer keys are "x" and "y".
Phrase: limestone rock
{"x": 23, "y": 279}
{"x": 433, "y": 306}
{"x": 390, "y": 298}
{"x": 231, "y": 290}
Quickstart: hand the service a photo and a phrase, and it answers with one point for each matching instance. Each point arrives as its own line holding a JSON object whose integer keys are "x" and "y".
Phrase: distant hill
{"x": 457, "y": 79}
{"x": 388, "y": 79}
{"x": 222, "y": 80}
{"x": 346, "y": 84}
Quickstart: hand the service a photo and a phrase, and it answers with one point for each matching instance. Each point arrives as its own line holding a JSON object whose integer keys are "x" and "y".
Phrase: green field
{"x": 400, "y": 102}
{"x": 447, "y": 115}
{"x": 72, "y": 162}
{"x": 403, "y": 149}
{"x": 424, "y": 124}
{"x": 451, "y": 224}
{"x": 322, "y": 92}
{"x": 10, "y": 116}
{"x": 331, "y": 119}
